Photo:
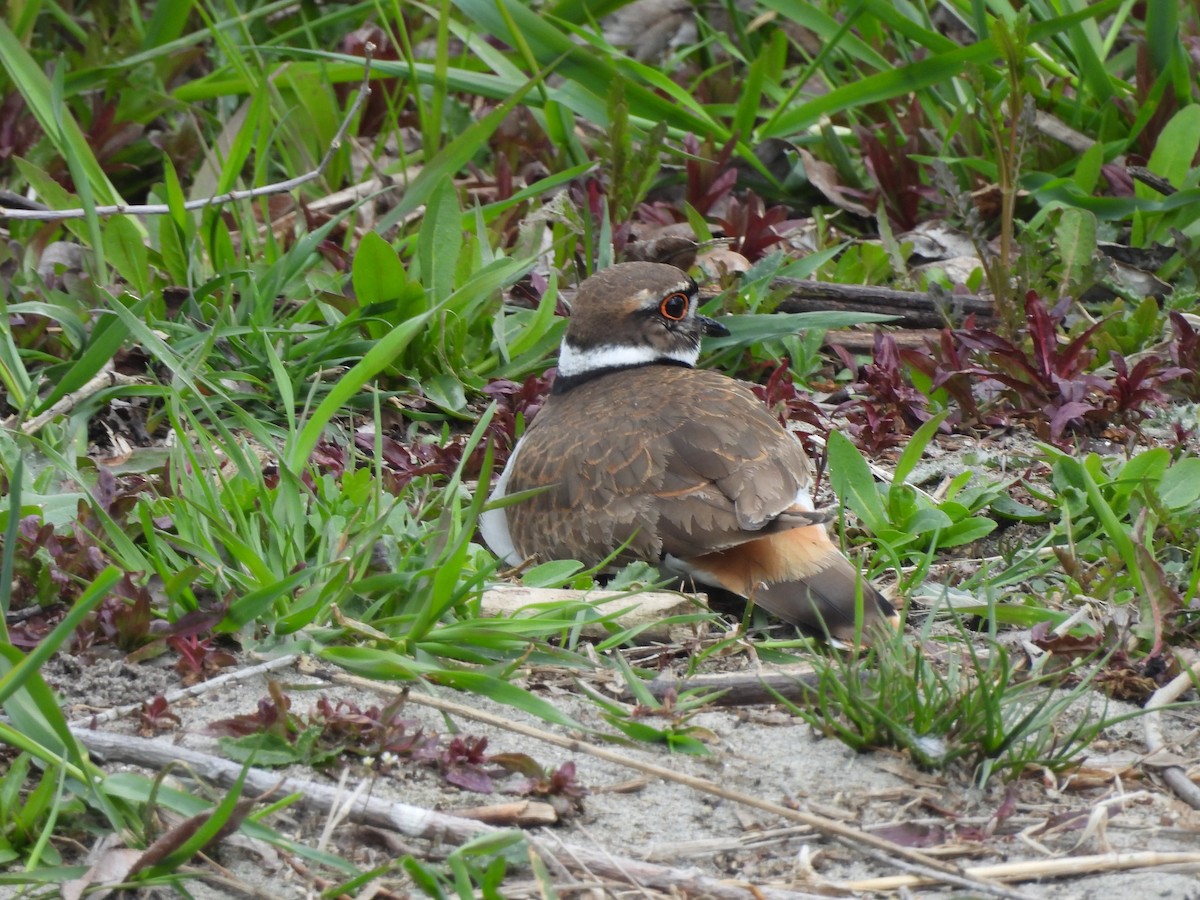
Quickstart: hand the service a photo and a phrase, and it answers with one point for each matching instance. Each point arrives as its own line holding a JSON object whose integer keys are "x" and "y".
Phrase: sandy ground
{"x": 759, "y": 751}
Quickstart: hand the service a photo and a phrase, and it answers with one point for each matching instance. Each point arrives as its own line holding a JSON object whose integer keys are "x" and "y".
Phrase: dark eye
{"x": 674, "y": 306}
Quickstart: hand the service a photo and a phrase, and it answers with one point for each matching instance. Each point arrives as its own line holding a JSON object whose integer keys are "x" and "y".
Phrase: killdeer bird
{"x": 683, "y": 466}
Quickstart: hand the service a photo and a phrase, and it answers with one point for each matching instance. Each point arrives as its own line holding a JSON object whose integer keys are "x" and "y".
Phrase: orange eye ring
{"x": 675, "y": 306}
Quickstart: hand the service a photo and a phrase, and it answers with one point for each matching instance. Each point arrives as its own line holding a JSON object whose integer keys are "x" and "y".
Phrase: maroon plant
{"x": 889, "y": 159}
{"x": 874, "y": 428}
{"x": 590, "y": 196}
{"x": 709, "y": 181}
{"x": 462, "y": 763}
{"x": 515, "y": 401}
{"x": 49, "y": 567}
{"x": 19, "y": 129}
{"x": 890, "y": 408}
{"x": 710, "y": 177}
{"x": 1132, "y": 390}
{"x": 156, "y": 716}
{"x": 560, "y": 788}
{"x": 372, "y": 731}
{"x": 272, "y": 716}
{"x": 1184, "y": 350}
{"x": 334, "y": 729}
{"x": 946, "y": 364}
{"x": 122, "y": 619}
{"x": 199, "y": 659}
{"x": 405, "y": 461}
{"x": 752, "y": 229}
{"x": 789, "y": 404}
{"x": 1051, "y": 386}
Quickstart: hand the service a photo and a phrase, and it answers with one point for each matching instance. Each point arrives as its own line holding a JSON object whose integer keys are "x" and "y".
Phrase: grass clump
{"x": 957, "y": 705}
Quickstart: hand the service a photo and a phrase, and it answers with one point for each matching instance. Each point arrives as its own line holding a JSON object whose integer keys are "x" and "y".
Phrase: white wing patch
{"x": 493, "y": 523}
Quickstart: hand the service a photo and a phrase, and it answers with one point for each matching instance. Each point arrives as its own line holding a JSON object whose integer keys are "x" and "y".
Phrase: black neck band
{"x": 564, "y": 383}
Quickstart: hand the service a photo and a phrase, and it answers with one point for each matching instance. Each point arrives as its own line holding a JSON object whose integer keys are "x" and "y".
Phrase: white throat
{"x": 574, "y": 361}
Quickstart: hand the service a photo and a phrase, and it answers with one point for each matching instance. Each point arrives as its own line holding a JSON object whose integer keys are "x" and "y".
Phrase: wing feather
{"x": 678, "y": 461}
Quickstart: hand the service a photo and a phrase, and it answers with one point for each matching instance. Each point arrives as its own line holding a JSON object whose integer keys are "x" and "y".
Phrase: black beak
{"x": 712, "y": 327}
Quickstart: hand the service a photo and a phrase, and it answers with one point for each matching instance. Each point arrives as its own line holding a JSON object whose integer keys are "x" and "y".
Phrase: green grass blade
{"x": 376, "y": 360}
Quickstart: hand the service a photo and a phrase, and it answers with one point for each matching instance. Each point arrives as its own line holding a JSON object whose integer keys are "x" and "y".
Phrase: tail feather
{"x": 801, "y": 577}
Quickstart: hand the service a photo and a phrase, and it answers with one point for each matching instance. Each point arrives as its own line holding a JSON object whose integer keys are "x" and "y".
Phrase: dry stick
{"x": 412, "y": 821}
{"x": 162, "y": 209}
{"x": 195, "y": 690}
{"x": 1042, "y": 868}
{"x": 106, "y": 378}
{"x": 950, "y": 874}
{"x": 915, "y": 309}
{"x": 1175, "y": 776}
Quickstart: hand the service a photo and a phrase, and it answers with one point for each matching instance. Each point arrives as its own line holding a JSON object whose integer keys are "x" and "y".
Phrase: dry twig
{"x": 1175, "y": 776}
{"x": 1028, "y": 870}
{"x": 162, "y": 209}
{"x": 107, "y": 377}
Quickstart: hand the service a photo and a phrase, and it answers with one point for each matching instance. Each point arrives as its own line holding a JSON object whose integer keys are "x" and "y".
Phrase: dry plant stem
{"x": 106, "y": 378}
{"x": 162, "y": 209}
{"x": 1175, "y": 776}
{"x": 412, "y": 821}
{"x": 196, "y": 690}
{"x": 826, "y": 826}
{"x": 1044, "y": 868}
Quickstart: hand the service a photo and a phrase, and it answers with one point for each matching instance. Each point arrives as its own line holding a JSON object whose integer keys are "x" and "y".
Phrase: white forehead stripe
{"x": 574, "y": 361}
{"x": 656, "y": 294}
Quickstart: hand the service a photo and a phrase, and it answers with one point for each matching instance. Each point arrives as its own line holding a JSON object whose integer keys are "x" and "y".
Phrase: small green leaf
{"x": 1076, "y": 239}
{"x": 1087, "y": 170}
{"x": 927, "y": 520}
{"x": 853, "y": 482}
{"x": 1007, "y": 507}
{"x": 126, "y": 251}
{"x": 1180, "y": 485}
{"x": 446, "y": 391}
{"x": 264, "y": 749}
{"x": 440, "y": 239}
{"x": 175, "y": 197}
{"x": 915, "y": 448}
{"x": 966, "y": 531}
{"x": 377, "y": 273}
{"x": 1147, "y": 467}
{"x": 551, "y": 574}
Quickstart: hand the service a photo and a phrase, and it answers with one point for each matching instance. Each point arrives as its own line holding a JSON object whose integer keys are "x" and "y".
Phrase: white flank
{"x": 493, "y": 523}
{"x": 573, "y": 361}
{"x": 675, "y": 565}
{"x": 804, "y": 499}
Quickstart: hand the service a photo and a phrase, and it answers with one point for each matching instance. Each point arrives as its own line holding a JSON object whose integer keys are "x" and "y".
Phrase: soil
{"x": 760, "y": 751}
